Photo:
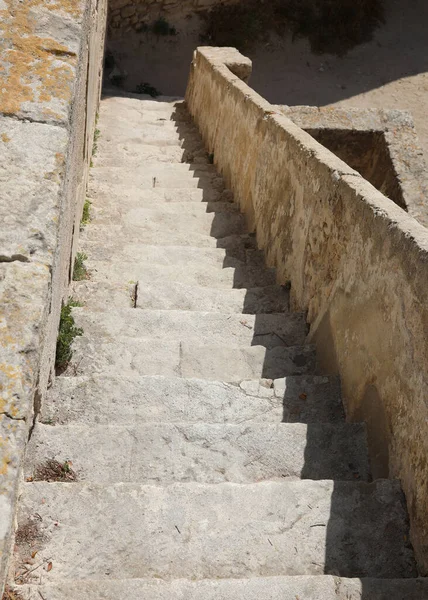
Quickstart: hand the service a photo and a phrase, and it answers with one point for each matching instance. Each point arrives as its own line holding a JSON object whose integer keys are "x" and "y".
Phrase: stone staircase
{"x": 211, "y": 461}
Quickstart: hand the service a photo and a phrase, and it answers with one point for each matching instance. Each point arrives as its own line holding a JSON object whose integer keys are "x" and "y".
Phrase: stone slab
{"x": 225, "y": 530}
{"x": 321, "y": 587}
{"x": 138, "y": 400}
{"x": 147, "y": 356}
{"x": 161, "y": 453}
{"x": 32, "y": 159}
{"x": 194, "y": 327}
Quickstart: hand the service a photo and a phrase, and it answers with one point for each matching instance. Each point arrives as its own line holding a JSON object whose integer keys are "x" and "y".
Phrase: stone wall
{"x": 50, "y": 78}
{"x": 128, "y": 15}
{"x": 358, "y": 264}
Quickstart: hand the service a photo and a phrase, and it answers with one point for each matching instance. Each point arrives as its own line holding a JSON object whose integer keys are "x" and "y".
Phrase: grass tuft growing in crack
{"x": 86, "y": 214}
{"x": 66, "y": 335}
{"x": 80, "y": 272}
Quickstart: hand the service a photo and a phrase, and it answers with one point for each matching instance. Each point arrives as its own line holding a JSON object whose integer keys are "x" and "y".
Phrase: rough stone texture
{"x": 357, "y": 262}
{"x": 50, "y": 82}
{"x": 139, "y": 400}
{"x": 161, "y": 454}
{"x": 269, "y": 331}
{"x": 324, "y": 587}
{"x": 225, "y": 530}
{"x": 134, "y": 14}
{"x": 382, "y": 145}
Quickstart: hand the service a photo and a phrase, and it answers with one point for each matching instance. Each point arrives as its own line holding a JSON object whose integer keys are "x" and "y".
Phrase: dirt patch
{"x": 331, "y": 26}
{"x": 10, "y": 594}
{"x": 52, "y": 471}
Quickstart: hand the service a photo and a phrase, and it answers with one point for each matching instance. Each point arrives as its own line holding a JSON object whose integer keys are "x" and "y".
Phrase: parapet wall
{"x": 50, "y": 80}
{"x": 358, "y": 264}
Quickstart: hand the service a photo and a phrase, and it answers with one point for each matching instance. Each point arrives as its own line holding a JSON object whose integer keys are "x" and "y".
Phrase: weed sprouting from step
{"x": 10, "y": 594}
{"x": 66, "y": 335}
{"x": 162, "y": 27}
{"x": 97, "y": 134}
{"x": 80, "y": 272}
{"x": 52, "y": 471}
{"x": 86, "y": 214}
{"x": 146, "y": 88}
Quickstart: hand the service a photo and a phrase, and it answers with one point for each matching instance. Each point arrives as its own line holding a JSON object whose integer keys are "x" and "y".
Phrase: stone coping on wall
{"x": 47, "y": 48}
{"x": 357, "y": 263}
{"x": 395, "y": 128}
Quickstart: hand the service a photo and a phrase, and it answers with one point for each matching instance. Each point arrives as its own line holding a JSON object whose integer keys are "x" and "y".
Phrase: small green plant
{"x": 86, "y": 214}
{"x": 97, "y": 133}
{"x": 162, "y": 27}
{"x": 146, "y": 88}
{"x": 66, "y": 334}
{"x": 80, "y": 272}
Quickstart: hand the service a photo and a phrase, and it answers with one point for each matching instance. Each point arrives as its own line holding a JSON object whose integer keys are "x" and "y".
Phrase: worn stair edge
{"x": 105, "y": 295}
{"x": 133, "y": 400}
{"x": 162, "y": 453}
{"x": 225, "y": 530}
{"x": 196, "y": 327}
{"x": 324, "y": 587}
{"x": 148, "y": 356}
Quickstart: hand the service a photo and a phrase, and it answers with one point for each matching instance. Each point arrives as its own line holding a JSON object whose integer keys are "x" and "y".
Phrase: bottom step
{"x": 324, "y": 587}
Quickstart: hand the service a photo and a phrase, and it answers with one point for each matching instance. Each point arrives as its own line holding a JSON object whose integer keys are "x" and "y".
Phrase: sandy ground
{"x": 389, "y": 72}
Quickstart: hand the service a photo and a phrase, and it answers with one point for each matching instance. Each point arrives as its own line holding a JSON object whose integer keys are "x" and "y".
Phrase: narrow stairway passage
{"x": 201, "y": 454}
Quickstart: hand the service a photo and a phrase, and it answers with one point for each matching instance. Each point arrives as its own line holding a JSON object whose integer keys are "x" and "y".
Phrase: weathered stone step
{"x": 146, "y": 254}
{"x": 111, "y": 151}
{"x": 316, "y": 587}
{"x": 171, "y": 227}
{"x": 137, "y": 400}
{"x": 193, "y": 274}
{"x": 216, "y": 211}
{"x": 225, "y": 530}
{"x": 102, "y": 295}
{"x": 106, "y": 295}
{"x": 194, "y": 327}
{"x": 153, "y": 169}
{"x": 148, "y": 356}
{"x": 196, "y": 175}
{"x": 154, "y": 134}
{"x": 107, "y": 194}
{"x": 161, "y": 454}
{"x": 160, "y": 178}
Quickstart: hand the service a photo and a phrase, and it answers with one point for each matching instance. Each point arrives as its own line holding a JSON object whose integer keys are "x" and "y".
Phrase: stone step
{"x": 178, "y": 296}
{"x": 173, "y": 227}
{"x": 107, "y": 213}
{"x": 162, "y": 453}
{"x": 137, "y": 400}
{"x": 106, "y": 295}
{"x": 225, "y": 530}
{"x": 194, "y": 327}
{"x": 153, "y": 134}
{"x": 102, "y": 295}
{"x": 148, "y": 356}
{"x": 193, "y": 274}
{"x": 164, "y": 177}
{"x": 146, "y": 254}
{"x": 315, "y": 587}
{"x": 111, "y": 152}
{"x": 108, "y": 194}
{"x": 154, "y": 169}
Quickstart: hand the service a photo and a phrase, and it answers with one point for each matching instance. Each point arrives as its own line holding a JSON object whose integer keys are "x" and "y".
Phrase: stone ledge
{"x": 380, "y": 144}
